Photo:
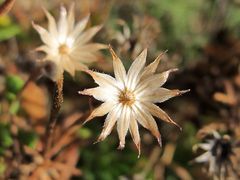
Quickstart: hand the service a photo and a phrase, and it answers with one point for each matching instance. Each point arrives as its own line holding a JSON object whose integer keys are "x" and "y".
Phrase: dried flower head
{"x": 67, "y": 44}
{"x": 129, "y": 98}
{"x": 219, "y": 150}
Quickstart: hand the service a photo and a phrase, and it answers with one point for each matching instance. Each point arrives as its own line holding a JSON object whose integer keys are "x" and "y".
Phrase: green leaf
{"x": 5, "y": 20}
{"x": 28, "y": 138}
{"x": 14, "y": 83}
{"x": 5, "y": 136}
{"x": 14, "y": 107}
{"x": 84, "y": 133}
{"x": 10, "y": 96}
{"x": 2, "y": 166}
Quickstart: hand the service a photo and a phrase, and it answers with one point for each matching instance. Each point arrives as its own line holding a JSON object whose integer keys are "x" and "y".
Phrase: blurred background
{"x": 202, "y": 39}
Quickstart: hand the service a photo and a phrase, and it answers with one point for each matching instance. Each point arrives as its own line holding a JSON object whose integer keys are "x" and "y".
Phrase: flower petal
{"x": 99, "y": 93}
{"x": 158, "y": 112}
{"x": 80, "y": 66}
{"x": 119, "y": 70}
{"x": 163, "y": 94}
{"x": 62, "y": 25}
{"x": 123, "y": 125}
{"x": 151, "y": 68}
{"x": 205, "y": 146}
{"x": 135, "y": 69}
{"x": 91, "y": 47}
{"x": 103, "y": 80}
{"x": 71, "y": 18}
{"x": 135, "y": 134}
{"x": 87, "y": 35}
{"x": 84, "y": 57}
{"x": 212, "y": 163}
{"x": 109, "y": 123}
{"x": 52, "y": 26}
{"x": 153, "y": 82}
{"x": 148, "y": 122}
{"x": 203, "y": 158}
{"x": 44, "y": 35}
{"x": 103, "y": 109}
{"x": 43, "y": 48}
{"x": 79, "y": 27}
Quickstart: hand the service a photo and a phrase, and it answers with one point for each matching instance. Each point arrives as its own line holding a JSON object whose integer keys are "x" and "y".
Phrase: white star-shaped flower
{"x": 66, "y": 43}
{"x": 129, "y": 98}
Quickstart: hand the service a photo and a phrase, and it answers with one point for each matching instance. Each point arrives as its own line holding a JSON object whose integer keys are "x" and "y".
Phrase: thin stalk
{"x": 56, "y": 105}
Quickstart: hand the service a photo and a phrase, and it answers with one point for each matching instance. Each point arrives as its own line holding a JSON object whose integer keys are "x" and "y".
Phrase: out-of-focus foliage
{"x": 8, "y": 29}
{"x": 203, "y": 41}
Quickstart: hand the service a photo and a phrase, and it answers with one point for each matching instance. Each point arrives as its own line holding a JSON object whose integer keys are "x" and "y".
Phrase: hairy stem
{"x": 56, "y": 105}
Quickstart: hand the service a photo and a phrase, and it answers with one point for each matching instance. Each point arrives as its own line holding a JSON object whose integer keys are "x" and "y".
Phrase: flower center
{"x": 63, "y": 49}
{"x": 126, "y": 97}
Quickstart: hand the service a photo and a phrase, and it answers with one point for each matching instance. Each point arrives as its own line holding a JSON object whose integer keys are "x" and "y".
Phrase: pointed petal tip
{"x": 88, "y": 71}
{"x": 84, "y": 122}
{"x": 159, "y": 141}
{"x": 100, "y": 139}
{"x": 121, "y": 146}
{"x": 97, "y": 141}
{"x": 81, "y": 92}
{"x": 114, "y": 55}
{"x": 145, "y": 50}
{"x": 177, "y": 125}
{"x": 63, "y": 10}
{"x": 184, "y": 91}
{"x": 90, "y": 117}
{"x": 33, "y": 23}
{"x": 173, "y": 122}
{"x": 139, "y": 150}
{"x": 173, "y": 70}
{"x": 38, "y": 49}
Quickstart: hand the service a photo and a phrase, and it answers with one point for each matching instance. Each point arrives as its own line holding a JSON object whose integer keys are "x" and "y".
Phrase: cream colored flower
{"x": 66, "y": 43}
{"x": 129, "y": 98}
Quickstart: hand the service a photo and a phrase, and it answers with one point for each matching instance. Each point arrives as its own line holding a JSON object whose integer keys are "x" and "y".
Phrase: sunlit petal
{"x": 99, "y": 93}
{"x": 153, "y": 82}
{"x": 87, "y": 35}
{"x": 123, "y": 125}
{"x": 162, "y": 94}
{"x": 119, "y": 70}
{"x": 158, "y": 112}
{"x": 103, "y": 79}
{"x": 101, "y": 110}
{"x": 135, "y": 133}
{"x": 148, "y": 122}
{"x": 151, "y": 68}
{"x": 109, "y": 123}
{"x": 135, "y": 69}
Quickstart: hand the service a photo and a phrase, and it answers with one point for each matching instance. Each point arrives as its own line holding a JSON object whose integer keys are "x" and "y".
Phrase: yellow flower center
{"x": 63, "y": 49}
{"x": 127, "y": 97}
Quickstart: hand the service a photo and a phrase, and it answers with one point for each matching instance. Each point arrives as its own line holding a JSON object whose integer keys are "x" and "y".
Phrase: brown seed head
{"x": 127, "y": 97}
{"x": 63, "y": 49}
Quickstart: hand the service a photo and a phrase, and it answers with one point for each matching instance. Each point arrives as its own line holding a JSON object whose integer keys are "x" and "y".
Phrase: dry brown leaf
{"x": 34, "y": 101}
